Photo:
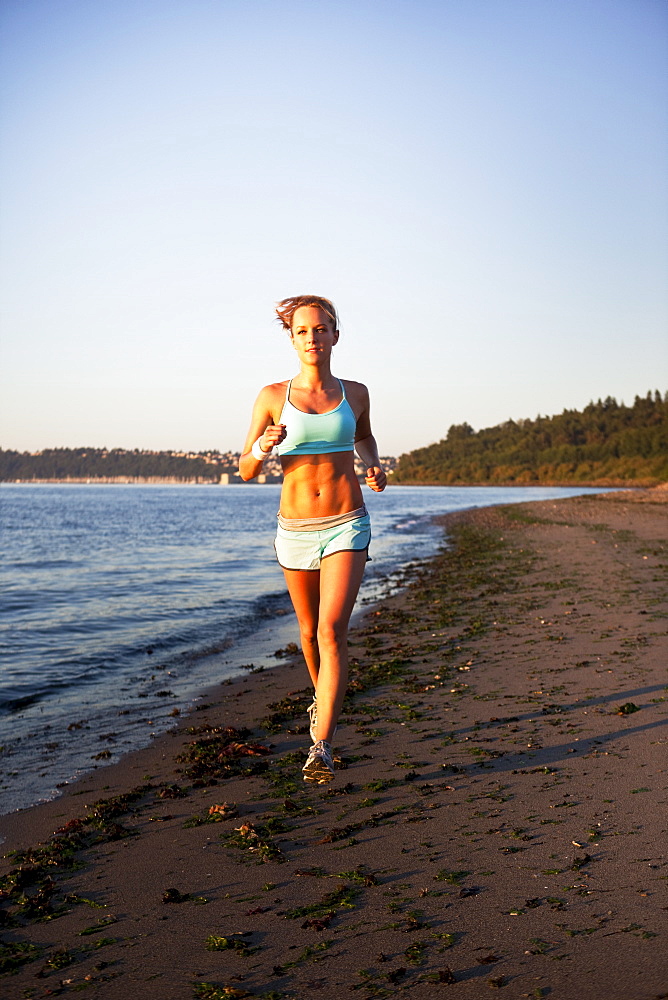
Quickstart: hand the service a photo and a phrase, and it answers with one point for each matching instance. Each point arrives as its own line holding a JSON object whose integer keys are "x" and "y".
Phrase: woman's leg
{"x": 304, "y": 590}
{"x": 340, "y": 577}
{"x": 323, "y": 601}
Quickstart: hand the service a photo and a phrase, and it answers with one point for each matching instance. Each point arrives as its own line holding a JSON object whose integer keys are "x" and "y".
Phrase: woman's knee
{"x": 308, "y": 633}
{"x": 332, "y": 633}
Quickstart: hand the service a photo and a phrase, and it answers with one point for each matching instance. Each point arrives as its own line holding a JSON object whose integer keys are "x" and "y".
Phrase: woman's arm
{"x": 375, "y": 477}
{"x": 366, "y": 447}
{"x": 264, "y": 431}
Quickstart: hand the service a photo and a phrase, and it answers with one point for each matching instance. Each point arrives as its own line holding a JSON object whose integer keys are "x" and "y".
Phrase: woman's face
{"x": 312, "y": 334}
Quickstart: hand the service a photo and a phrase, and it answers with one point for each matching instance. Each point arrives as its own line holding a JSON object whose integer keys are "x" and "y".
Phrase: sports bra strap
{"x": 287, "y": 391}
{"x": 317, "y": 433}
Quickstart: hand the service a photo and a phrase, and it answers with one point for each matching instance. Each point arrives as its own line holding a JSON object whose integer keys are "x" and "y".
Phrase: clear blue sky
{"x": 479, "y": 185}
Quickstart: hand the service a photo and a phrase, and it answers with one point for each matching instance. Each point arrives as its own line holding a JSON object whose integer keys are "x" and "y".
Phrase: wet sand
{"x": 498, "y": 818}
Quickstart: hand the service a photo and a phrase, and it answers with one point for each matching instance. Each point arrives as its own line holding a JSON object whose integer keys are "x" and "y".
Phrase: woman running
{"x": 316, "y": 422}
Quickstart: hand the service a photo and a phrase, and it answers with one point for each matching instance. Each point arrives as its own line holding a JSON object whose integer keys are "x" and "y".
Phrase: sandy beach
{"x": 498, "y": 820}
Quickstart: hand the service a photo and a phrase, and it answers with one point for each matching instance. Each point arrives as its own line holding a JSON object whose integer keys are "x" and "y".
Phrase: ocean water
{"x": 122, "y": 603}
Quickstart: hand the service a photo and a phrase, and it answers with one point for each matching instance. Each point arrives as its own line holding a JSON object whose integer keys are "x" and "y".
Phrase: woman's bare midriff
{"x": 319, "y": 485}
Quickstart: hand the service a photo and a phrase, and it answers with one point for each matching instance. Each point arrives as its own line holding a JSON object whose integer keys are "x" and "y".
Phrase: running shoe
{"x": 319, "y": 768}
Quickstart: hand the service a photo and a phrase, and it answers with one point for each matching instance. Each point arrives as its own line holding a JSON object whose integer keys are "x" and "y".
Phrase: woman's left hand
{"x": 375, "y": 479}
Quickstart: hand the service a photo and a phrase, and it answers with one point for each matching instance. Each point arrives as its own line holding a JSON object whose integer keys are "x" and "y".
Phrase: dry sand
{"x": 498, "y": 821}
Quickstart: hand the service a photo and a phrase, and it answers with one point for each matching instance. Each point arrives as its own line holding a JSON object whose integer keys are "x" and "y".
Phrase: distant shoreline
{"x": 276, "y": 480}
{"x": 124, "y": 481}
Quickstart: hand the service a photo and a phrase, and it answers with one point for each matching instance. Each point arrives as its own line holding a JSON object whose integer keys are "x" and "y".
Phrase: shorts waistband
{"x": 319, "y": 523}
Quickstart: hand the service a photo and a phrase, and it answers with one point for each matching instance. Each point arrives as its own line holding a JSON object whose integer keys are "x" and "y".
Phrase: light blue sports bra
{"x": 317, "y": 433}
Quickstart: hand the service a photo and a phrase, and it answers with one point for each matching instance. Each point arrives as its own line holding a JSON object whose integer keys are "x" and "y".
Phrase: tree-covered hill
{"x": 607, "y": 443}
{"x": 116, "y": 463}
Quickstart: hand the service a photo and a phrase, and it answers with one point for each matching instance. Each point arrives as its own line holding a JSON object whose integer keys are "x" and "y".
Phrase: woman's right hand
{"x": 273, "y": 435}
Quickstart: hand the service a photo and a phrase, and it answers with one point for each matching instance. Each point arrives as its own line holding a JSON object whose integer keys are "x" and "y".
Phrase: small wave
{"x": 268, "y": 605}
{"x": 210, "y": 650}
{"x": 10, "y": 702}
{"x": 41, "y": 564}
{"x": 414, "y": 522}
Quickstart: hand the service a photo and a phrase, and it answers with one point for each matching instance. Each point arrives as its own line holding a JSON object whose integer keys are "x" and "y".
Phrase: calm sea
{"x": 122, "y": 603}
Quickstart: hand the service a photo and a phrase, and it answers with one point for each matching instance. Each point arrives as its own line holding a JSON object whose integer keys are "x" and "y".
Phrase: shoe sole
{"x": 318, "y": 775}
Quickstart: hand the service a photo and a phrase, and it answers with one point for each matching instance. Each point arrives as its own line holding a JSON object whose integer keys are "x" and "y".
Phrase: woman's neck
{"x": 317, "y": 378}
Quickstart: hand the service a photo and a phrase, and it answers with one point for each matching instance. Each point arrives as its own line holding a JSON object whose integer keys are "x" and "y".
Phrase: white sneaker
{"x": 319, "y": 768}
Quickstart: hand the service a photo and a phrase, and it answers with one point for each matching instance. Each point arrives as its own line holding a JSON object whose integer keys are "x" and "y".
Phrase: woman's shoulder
{"x": 270, "y": 400}
{"x": 270, "y": 392}
{"x": 355, "y": 390}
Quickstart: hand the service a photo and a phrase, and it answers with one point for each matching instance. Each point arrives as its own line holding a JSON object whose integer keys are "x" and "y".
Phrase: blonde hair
{"x": 286, "y": 309}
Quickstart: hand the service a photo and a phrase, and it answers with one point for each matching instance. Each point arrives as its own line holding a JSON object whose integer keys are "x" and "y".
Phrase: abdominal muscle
{"x": 319, "y": 485}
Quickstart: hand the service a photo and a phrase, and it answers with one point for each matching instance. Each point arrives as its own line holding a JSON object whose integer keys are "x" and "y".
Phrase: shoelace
{"x": 320, "y": 749}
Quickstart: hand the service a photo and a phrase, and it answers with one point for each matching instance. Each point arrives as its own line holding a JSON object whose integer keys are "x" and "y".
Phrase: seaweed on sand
{"x": 285, "y": 710}
{"x": 222, "y": 753}
{"x": 256, "y": 839}
{"x": 343, "y": 898}
{"x": 211, "y": 991}
{"x": 232, "y": 942}
{"x": 14, "y": 954}
{"x": 30, "y": 892}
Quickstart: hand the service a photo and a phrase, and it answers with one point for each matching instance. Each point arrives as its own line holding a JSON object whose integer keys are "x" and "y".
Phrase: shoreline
{"x": 270, "y": 636}
{"x": 52, "y": 742}
{"x": 604, "y": 484}
{"x": 468, "y": 822}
